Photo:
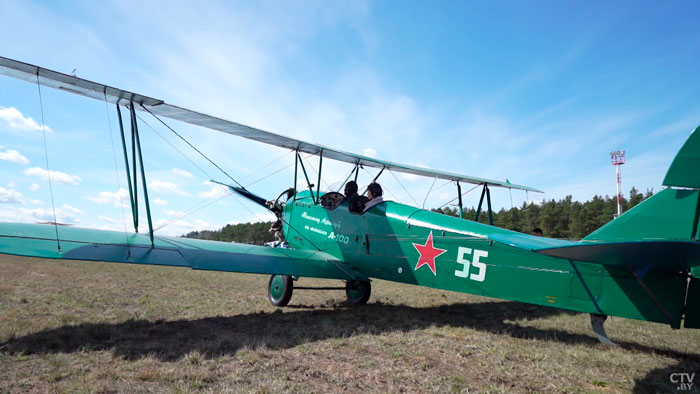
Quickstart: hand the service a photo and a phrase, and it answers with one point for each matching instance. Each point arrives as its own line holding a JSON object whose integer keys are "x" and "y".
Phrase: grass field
{"x": 98, "y": 327}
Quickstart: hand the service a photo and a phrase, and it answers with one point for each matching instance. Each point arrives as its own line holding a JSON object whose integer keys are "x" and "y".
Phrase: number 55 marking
{"x": 464, "y": 272}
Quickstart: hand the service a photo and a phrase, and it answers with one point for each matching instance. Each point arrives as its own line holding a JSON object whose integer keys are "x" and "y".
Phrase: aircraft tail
{"x": 671, "y": 214}
{"x": 649, "y": 256}
{"x": 670, "y": 220}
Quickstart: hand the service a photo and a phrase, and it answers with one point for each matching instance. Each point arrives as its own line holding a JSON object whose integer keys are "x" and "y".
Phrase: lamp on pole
{"x": 618, "y": 158}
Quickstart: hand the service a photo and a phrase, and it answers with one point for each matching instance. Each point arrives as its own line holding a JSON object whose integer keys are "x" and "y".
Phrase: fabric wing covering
{"x": 102, "y": 92}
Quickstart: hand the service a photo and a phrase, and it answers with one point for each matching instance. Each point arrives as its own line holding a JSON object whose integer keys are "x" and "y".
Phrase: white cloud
{"x": 34, "y": 187}
{"x": 72, "y": 210}
{"x": 12, "y": 155}
{"x": 56, "y": 176}
{"x": 166, "y": 187}
{"x": 16, "y": 120}
{"x": 11, "y": 184}
{"x": 118, "y": 198}
{"x": 369, "y": 152}
{"x": 158, "y": 201}
{"x": 9, "y": 196}
{"x": 182, "y": 173}
{"x": 67, "y": 214}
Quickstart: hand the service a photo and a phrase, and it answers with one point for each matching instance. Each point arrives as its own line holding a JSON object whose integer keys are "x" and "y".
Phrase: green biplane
{"x": 642, "y": 265}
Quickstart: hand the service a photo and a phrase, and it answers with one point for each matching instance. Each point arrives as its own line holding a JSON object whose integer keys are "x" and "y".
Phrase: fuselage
{"x": 392, "y": 241}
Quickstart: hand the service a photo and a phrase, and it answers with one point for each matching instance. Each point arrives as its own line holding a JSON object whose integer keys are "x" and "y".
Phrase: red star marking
{"x": 428, "y": 253}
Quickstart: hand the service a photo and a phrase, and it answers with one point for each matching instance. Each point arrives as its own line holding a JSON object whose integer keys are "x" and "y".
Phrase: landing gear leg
{"x": 597, "y": 322}
{"x": 358, "y": 291}
{"x": 279, "y": 289}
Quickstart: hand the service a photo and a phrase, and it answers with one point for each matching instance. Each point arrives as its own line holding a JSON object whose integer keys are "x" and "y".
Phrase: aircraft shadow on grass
{"x": 225, "y": 335}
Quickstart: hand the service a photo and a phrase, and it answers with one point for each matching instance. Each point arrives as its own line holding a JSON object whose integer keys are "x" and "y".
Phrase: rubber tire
{"x": 358, "y": 292}
{"x": 280, "y": 289}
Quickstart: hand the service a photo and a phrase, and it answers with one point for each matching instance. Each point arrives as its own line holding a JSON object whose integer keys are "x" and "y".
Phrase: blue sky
{"x": 536, "y": 92}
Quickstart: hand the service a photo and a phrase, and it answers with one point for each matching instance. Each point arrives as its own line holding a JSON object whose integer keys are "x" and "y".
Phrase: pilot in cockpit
{"x": 374, "y": 193}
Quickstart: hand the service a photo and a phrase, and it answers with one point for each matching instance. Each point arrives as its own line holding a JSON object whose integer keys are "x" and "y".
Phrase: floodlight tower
{"x": 618, "y": 158}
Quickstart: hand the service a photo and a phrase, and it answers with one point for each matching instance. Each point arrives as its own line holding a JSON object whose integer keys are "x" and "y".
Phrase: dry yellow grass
{"x": 98, "y": 327}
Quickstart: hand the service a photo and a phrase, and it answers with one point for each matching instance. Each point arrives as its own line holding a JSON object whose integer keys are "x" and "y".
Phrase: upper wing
{"x": 37, "y": 240}
{"x": 98, "y": 91}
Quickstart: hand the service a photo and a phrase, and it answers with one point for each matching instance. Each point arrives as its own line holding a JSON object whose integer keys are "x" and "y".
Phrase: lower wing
{"x": 36, "y": 240}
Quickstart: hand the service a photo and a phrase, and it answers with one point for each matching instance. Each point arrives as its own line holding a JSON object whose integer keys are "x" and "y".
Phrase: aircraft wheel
{"x": 358, "y": 292}
{"x": 279, "y": 289}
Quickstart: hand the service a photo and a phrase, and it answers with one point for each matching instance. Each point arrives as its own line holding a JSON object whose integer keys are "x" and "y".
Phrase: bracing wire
{"x": 314, "y": 170}
{"x": 116, "y": 171}
{"x": 270, "y": 174}
{"x": 46, "y": 155}
{"x": 174, "y": 147}
{"x": 192, "y": 146}
{"x": 196, "y": 208}
{"x": 402, "y": 186}
{"x": 510, "y": 191}
{"x": 206, "y": 173}
{"x": 199, "y": 206}
{"x": 428, "y": 193}
{"x": 443, "y": 185}
{"x": 463, "y": 194}
{"x": 273, "y": 161}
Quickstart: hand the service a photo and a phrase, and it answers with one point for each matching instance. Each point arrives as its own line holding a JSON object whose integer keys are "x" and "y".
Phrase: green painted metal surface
{"x": 685, "y": 168}
{"x": 471, "y": 257}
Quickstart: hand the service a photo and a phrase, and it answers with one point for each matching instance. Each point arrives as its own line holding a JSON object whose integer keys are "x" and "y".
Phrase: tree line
{"x": 248, "y": 233}
{"x": 562, "y": 218}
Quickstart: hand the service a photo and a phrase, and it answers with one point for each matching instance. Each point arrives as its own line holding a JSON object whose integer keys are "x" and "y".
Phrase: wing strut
{"x": 143, "y": 172}
{"x": 133, "y": 181}
{"x": 318, "y": 184}
{"x": 459, "y": 195}
{"x": 134, "y": 207}
{"x": 308, "y": 182}
{"x": 484, "y": 192}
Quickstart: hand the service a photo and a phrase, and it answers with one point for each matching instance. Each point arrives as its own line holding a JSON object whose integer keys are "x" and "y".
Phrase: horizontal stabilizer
{"x": 658, "y": 255}
{"x": 665, "y": 255}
